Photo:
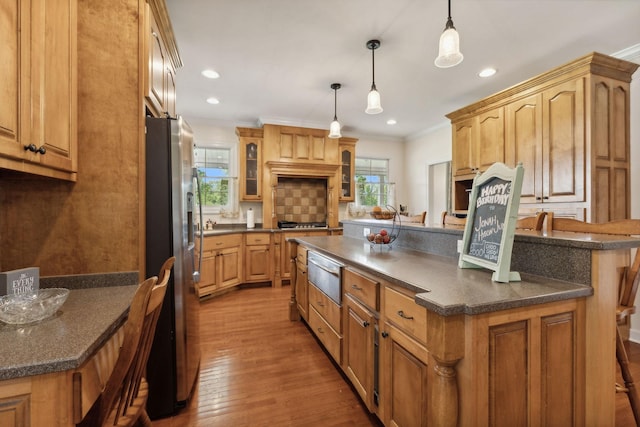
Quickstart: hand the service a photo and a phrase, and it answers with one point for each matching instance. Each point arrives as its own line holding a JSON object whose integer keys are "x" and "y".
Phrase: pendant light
{"x": 449, "y": 49}
{"x": 373, "y": 99}
{"x": 334, "y": 129}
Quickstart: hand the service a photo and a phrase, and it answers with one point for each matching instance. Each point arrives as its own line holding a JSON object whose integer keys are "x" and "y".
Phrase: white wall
{"x": 430, "y": 147}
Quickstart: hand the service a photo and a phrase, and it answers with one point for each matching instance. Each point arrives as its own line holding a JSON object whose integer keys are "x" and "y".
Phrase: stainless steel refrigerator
{"x": 174, "y": 361}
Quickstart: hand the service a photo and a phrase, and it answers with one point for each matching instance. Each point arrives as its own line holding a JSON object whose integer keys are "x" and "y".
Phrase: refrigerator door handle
{"x": 196, "y": 271}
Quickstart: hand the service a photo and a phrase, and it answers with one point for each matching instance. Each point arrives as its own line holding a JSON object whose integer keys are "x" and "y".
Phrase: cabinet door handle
{"x": 42, "y": 150}
{"x": 320, "y": 330}
{"x": 404, "y": 316}
{"x": 538, "y": 198}
{"x": 385, "y": 334}
{"x": 31, "y": 147}
{"x": 365, "y": 324}
{"x": 356, "y": 287}
{"x": 545, "y": 198}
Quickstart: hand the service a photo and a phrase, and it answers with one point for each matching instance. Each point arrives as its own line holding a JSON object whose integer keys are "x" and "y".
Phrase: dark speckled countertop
{"x": 64, "y": 341}
{"x": 440, "y": 285}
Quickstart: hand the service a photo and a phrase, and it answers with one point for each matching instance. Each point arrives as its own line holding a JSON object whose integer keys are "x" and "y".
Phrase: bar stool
{"x": 627, "y": 289}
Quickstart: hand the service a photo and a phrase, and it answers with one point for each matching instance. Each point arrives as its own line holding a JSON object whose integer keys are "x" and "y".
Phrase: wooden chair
{"x": 415, "y": 219}
{"x": 531, "y": 222}
{"x": 449, "y": 220}
{"x": 627, "y": 289}
{"x": 124, "y": 398}
{"x": 527, "y": 223}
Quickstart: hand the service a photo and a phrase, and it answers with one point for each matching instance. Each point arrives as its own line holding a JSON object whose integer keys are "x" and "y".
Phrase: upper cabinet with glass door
{"x": 347, "y": 169}
{"x": 250, "y": 148}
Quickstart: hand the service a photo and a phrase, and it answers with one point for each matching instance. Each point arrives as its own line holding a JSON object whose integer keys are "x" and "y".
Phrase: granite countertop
{"x": 64, "y": 341}
{"x": 440, "y": 285}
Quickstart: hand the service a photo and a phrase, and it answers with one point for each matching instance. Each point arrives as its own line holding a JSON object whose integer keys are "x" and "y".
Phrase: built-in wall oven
{"x": 325, "y": 274}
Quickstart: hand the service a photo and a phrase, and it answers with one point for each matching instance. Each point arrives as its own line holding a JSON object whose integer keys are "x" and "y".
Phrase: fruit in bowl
{"x": 382, "y": 237}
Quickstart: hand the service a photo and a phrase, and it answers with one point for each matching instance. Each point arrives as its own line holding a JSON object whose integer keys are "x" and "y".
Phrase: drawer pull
{"x": 219, "y": 243}
{"x": 320, "y": 330}
{"x": 356, "y": 287}
{"x": 404, "y": 316}
{"x": 320, "y": 303}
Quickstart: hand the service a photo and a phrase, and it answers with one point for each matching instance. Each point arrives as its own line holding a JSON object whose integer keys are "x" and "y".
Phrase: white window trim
{"x": 233, "y": 205}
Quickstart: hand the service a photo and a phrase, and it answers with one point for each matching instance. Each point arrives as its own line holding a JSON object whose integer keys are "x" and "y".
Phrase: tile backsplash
{"x": 301, "y": 199}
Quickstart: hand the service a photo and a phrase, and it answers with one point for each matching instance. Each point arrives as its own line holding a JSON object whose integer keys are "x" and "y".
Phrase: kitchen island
{"x": 52, "y": 371}
{"x": 476, "y": 352}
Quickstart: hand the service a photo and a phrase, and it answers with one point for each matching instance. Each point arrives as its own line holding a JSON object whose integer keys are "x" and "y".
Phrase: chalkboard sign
{"x": 491, "y": 221}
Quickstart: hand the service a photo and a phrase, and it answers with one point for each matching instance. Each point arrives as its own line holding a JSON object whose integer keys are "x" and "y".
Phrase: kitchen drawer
{"x": 221, "y": 242}
{"x": 326, "y": 307}
{"x": 257, "y": 239}
{"x": 402, "y": 310}
{"x": 302, "y": 255}
{"x": 331, "y": 340}
{"x": 363, "y": 288}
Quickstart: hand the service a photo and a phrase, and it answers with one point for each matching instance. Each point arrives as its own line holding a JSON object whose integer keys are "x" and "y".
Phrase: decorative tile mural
{"x": 301, "y": 200}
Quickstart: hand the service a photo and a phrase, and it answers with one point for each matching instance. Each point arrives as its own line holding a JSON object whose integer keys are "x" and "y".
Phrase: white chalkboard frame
{"x": 501, "y": 268}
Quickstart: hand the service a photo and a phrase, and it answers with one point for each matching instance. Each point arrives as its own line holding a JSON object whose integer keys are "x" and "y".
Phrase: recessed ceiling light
{"x": 487, "y": 72}
{"x": 391, "y": 122}
{"x": 213, "y": 101}
{"x": 210, "y": 74}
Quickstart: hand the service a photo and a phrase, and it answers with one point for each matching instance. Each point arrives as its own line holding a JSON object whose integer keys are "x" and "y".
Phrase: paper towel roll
{"x": 250, "y": 219}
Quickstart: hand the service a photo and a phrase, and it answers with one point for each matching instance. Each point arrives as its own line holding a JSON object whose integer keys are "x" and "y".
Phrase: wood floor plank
{"x": 260, "y": 369}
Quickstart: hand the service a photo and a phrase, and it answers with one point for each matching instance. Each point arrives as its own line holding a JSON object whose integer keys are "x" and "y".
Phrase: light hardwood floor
{"x": 260, "y": 369}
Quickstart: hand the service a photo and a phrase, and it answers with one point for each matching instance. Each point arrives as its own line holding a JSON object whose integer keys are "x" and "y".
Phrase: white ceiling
{"x": 278, "y": 58}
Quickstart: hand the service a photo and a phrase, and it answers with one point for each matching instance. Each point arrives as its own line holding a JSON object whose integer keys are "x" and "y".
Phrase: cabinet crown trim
{"x": 593, "y": 63}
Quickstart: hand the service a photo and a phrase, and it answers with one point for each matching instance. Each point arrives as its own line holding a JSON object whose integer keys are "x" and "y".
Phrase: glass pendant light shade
{"x": 334, "y": 128}
{"x": 449, "y": 47}
{"x": 373, "y": 102}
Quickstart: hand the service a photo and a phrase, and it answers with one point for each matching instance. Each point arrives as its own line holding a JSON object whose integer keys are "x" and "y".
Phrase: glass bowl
{"x": 21, "y": 309}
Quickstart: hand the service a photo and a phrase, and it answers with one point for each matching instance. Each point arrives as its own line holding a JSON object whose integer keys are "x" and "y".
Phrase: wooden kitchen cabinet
{"x": 546, "y": 135}
{"x": 257, "y": 256}
{"x": 221, "y": 263}
{"x": 479, "y": 143}
{"x": 38, "y": 115}
{"x": 359, "y": 350}
{"x": 302, "y": 283}
{"x": 569, "y": 128}
{"x": 404, "y": 360}
{"x": 325, "y": 320}
{"x": 361, "y": 334}
{"x": 160, "y": 85}
{"x": 250, "y": 148}
{"x": 513, "y": 347}
{"x": 347, "y": 169}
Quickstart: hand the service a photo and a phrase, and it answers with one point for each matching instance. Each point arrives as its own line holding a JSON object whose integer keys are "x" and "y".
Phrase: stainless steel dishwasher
{"x": 325, "y": 274}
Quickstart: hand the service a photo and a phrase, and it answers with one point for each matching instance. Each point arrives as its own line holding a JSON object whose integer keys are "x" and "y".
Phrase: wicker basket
{"x": 383, "y": 215}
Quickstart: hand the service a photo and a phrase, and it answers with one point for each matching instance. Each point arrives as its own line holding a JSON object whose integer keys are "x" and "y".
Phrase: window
{"x": 216, "y": 183}
{"x": 372, "y": 182}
